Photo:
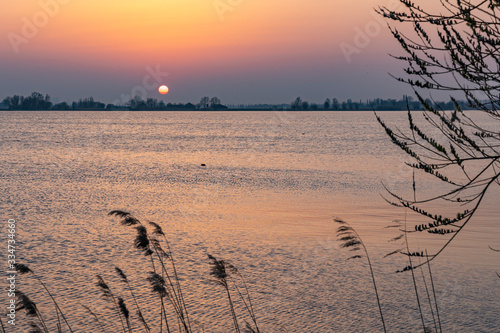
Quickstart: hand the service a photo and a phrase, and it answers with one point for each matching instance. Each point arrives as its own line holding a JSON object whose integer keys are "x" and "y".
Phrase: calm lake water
{"x": 265, "y": 201}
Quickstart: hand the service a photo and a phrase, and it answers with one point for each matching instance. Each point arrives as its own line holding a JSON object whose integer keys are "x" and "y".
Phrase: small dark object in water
{"x": 203, "y": 164}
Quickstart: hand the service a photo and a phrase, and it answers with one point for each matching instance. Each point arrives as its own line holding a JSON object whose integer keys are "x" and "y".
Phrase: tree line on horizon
{"x": 377, "y": 104}
{"x": 38, "y": 101}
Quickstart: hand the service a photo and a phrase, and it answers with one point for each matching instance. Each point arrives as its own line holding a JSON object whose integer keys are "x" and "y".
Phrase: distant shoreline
{"x": 227, "y": 110}
{"x": 39, "y": 102}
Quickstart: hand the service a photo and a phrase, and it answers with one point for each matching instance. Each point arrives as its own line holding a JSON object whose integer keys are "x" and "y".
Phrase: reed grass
{"x": 352, "y": 241}
{"x": 139, "y": 314}
{"x": 220, "y": 271}
{"x": 23, "y": 269}
{"x": 165, "y": 285}
{"x": 151, "y": 241}
{"x": 96, "y": 318}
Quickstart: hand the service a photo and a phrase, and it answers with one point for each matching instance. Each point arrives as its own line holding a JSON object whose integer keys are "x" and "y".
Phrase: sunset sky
{"x": 243, "y": 51}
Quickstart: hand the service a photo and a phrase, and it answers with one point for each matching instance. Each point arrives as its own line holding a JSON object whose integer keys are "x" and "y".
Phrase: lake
{"x": 265, "y": 200}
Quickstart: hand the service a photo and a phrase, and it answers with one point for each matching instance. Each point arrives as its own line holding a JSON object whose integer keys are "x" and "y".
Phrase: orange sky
{"x": 208, "y": 46}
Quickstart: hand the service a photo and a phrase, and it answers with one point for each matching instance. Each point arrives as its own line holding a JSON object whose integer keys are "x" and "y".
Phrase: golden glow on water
{"x": 265, "y": 200}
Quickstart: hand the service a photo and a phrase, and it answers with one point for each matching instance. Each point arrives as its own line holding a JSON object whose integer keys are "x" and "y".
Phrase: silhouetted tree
{"x": 297, "y": 104}
{"x": 349, "y": 104}
{"x": 214, "y": 103}
{"x": 13, "y": 102}
{"x": 205, "y": 102}
{"x": 35, "y": 101}
{"x": 335, "y": 104}
{"x": 152, "y": 104}
{"x": 454, "y": 48}
{"x": 38, "y": 101}
{"x": 137, "y": 104}
{"x": 89, "y": 103}
{"x": 327, "y": 104}
{"x": 6, "y": 101}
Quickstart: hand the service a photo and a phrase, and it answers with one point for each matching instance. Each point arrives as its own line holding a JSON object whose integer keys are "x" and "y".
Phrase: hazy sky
{"x": 246, "y": 51}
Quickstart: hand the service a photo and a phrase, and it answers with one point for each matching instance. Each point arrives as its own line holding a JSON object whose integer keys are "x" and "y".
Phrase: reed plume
{"x": 164, "y": 282}
{"x": 157, "y": 284}
{"x": 124, "y": 311}
{"x": 351, "y": 240}
{"x": 183, "y": 313}
{"x": 141, "y": 241}
{"x": 108, "y": 295}
{"x": 220, "y": 271}
{"x": 123, "y": 308}
{"x": 158, "y": 287}
{"x": 119, "y": 213}
{"x": 25, "y": 303}
{"x": 125, "y": 280}
{"x": 151, "y": 246}
{"x": 23, "y": 269}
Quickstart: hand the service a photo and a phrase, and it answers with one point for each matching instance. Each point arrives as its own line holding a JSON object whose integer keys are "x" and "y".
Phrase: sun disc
{"x": 163, "y": 90}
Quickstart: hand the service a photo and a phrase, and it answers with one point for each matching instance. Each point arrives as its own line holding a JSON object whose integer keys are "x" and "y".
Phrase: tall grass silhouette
{"x": 164, "y": 283}
{"x": 172, "y": 311}
{"x": 25, "y": 302}
{"x": 351, "y": 240}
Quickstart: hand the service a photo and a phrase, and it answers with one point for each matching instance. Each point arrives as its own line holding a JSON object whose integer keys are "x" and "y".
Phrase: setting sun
{"x": 163, "y": 90}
